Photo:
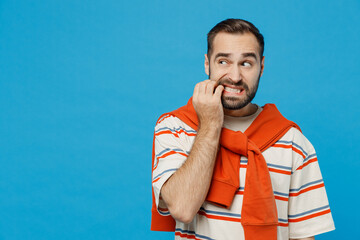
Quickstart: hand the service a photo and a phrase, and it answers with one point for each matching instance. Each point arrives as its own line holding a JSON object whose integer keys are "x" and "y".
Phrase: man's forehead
{"x": 235, "y": 43}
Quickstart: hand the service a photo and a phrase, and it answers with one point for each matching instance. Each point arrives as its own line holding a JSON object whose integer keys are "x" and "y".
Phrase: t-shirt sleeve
{"x": 309, "y": 210}
{"x": 172, "y": 146}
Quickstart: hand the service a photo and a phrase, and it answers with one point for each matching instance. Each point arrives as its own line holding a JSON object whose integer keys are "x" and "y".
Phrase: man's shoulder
{"x": 296, "y": 138}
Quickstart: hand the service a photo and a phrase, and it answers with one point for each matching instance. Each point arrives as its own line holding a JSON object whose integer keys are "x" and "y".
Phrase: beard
{"x": 233, "y": 102}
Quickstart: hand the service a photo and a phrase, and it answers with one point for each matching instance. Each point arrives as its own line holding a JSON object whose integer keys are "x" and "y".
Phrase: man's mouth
{"x": 233, "y": 90}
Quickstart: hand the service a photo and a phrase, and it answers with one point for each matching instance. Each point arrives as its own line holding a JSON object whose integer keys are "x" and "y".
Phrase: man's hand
{"x": 207, "y": 103}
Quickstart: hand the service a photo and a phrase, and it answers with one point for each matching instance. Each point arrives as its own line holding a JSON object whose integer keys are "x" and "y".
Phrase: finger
{"x": 204, "y": 86}
{"x": 210, "y": 87}
{"x": 206, "y": 82}
{"x": 196, "y": 91}
{"x": 218, "y": 91}
{"x": 201, "y": 88}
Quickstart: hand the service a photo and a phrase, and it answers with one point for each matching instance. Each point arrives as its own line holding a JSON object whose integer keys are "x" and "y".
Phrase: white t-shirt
{"x": 240, "y": 123}
{"x": 302, "y": 204}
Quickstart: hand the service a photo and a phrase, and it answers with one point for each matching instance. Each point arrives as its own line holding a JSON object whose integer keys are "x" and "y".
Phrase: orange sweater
{"x": 259, "y": 213}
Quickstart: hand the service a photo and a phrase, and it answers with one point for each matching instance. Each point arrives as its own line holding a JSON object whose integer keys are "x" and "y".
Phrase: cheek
{"x": 253, "y": 74}
{"x": 251, "y": 79}
{"x": 217, "y": 72}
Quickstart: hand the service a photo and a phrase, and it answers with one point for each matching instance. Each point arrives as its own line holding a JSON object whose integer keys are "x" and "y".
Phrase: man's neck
{"x": 243, "y": 112}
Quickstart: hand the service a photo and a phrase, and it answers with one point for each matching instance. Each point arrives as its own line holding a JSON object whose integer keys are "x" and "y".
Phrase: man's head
{"x": 235, "y": 59}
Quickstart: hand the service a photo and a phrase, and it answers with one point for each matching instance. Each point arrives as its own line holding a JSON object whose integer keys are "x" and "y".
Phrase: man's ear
{"x": 206, "y": 65}
{"x": 262, "y": 66}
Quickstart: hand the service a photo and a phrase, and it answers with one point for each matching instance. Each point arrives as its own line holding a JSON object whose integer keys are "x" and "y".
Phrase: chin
{"x": 231, "y": 105}
{"x": 234, "y": 104}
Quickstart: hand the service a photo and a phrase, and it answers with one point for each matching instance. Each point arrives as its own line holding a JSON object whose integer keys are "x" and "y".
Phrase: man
{"x": 225, "y": 168}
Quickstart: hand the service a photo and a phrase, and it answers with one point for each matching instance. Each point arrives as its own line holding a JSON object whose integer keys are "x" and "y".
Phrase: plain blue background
{"x": 83, "y": 82}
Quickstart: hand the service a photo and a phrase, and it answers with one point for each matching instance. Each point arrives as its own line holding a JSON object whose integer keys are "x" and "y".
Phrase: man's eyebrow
{"x": 250, "y": 54}
{"x": 222, "y": 55}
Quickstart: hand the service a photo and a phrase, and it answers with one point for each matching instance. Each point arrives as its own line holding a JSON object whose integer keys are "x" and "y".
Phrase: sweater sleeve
{"x": 173, "y": 140}
{"x": 309, "y": 211}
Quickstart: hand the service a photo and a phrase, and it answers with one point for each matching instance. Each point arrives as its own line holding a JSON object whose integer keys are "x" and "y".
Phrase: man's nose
{"x": 235, "y": 74}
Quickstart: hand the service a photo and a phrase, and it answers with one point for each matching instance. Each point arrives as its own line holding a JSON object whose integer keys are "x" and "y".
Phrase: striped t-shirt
{"x": 302, "y": 204}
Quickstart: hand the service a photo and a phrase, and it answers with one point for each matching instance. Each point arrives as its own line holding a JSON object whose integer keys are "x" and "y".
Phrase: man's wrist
{"x": 210, "y": 132}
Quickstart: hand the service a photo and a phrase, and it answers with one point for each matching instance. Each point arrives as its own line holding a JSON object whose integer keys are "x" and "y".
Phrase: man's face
{"x": 235, "y": 63}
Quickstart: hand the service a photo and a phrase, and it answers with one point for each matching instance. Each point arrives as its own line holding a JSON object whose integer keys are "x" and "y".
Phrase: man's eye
{"x": 222, "y": 62}
{"x": 246, "y": 64}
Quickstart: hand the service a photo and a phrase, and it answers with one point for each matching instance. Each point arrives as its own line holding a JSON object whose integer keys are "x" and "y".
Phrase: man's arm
{"x": 185, "y": 191}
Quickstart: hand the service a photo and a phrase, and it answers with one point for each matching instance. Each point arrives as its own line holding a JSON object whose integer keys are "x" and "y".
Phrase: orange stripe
{"x": 175, "y": 134}
{"x": 282, "y": 146}
{"x": 166, "y": 132}
{"x": 307, "y": 163}
{"x": 279, "y": 171}
{"x": 185, "y": 235}
{"x": 163, "y": 119}
{"x": 240, "y": 192}
{"x": 299, "y": 152}
{"x": 156, "y": 180}
{"x": 306, "y": 190}
{"x": 310, "y": 216}
{"x": 220, "y": 218}
{"x": 282, "y": 198}
{"x": 290, "y": 146}
{"x": 172, "y": 152}
{"x": 283, "y": 224}
{"x": 155, "y": 166}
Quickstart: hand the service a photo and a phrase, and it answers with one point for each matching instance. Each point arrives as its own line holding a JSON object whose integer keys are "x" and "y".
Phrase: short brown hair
{"x": 233, "y": 25}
